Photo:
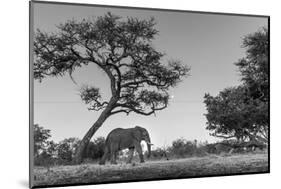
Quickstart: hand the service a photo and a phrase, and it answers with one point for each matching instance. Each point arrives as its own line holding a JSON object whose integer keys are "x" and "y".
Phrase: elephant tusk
{"x": 150, "y": 144}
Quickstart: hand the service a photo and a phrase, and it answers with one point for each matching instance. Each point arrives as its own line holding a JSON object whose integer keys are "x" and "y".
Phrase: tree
{"x": 254, "y": 68}
{"x": 181, "y": 147}
{"x": 44, "y": 148}
{"x": 242, "y": 112}
{"x": 64, "y": 153}
{"x": 122, "y": 48}
{"x": 233, "y": 114}
{"x": 66, "y": 149}
{"x": 41, "y": 137}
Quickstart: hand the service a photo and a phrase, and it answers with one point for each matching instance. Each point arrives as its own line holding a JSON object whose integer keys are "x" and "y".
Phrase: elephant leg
{"x": 113, "y": 153}
{"x": 131, "y": 153}
{"x": 139, "y": 150}
{"x": 113, "y": 158}
{"x": 104, "y": 157}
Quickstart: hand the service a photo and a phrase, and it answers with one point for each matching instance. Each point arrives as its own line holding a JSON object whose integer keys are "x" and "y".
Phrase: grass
{"x": 177, "y": 168}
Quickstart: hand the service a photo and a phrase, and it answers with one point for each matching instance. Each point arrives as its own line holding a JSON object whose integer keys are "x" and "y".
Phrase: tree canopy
{"x": 254, "y": 68}
{"x": 122, "y": 49}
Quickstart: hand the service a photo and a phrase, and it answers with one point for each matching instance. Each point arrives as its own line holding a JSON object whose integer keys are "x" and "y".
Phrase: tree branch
{"x": 98, "y": 105}
{"x": 149, "y": 82}
{"x": 120, "y": 111}
{"x": 140, "y": 111}
{"x": 118, "y": 82}
{"x": 222, "y": 136}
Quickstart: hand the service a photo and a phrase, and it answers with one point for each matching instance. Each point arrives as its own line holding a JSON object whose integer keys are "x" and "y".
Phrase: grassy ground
{"x": 188, "y": 167}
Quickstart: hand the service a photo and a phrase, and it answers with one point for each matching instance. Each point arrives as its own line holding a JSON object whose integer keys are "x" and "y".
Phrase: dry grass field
{"x": 177, "y": 168}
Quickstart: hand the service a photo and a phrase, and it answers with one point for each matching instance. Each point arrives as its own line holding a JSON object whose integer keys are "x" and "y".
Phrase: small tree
{"x": 66, "y": 149}
{"x": 122, "y": 48}
{"x": 182, "y": 147}
{"x": 41, "y": 139}
{"x": 44, "y": 148}
{"x": 64, "y": 153}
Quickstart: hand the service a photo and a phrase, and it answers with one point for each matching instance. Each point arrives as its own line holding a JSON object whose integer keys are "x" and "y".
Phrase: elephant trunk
{"x": 148, "y": 146}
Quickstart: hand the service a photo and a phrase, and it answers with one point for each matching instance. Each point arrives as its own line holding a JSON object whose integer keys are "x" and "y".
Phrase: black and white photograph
{"x": 123, "y": 94}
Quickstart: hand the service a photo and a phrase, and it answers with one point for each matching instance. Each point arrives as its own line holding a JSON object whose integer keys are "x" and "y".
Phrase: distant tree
{"x": 66, "y": 149}
{"x": 64, "y": 152}
{"x": 242, "y": 112}
{"x": 43, "y": 159}
{"x": 182, "y": 147}
{"x": 52, "y": 149}
{"x": 122, "y": 48}
{"x": 41, "y": 139}
{"x": 44, "y": 148}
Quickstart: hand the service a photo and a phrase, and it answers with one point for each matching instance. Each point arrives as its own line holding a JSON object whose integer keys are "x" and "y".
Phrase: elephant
{"x": 130, "y": 138}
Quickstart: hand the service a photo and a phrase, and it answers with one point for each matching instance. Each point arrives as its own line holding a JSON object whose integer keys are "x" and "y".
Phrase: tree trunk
{"x": 86, "y": 139}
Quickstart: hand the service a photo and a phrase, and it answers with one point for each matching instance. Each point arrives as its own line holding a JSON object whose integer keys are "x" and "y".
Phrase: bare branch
{"x": 121, "y": 111}
{"x": 141, "y": 111}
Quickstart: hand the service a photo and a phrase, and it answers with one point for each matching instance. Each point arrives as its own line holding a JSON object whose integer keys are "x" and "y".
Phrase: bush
{"x": 183, "y": 148}
{"x": 159, "y": 153}
{"x": 95, "y": 149}
{"x": 43, "y": 159}
{"x": 66, "y": 150}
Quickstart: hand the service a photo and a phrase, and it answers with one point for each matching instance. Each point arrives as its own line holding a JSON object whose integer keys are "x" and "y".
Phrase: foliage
{"x": 122, "y": 49}
{"x": 44, "y": 148}
{"x": 159, "y": 153}
{"x": 95, "y": 149}
{"x": 66, "y": 149}
{"x": 254, "y": 68}
{"x": 41, "y": 137}
{"x": 182, "y": 148}
{"x": 63, "y": 152}
{"x": 242, "y": 112}
{"x": 43, "y": 159}
{"x": 233, "y": 113}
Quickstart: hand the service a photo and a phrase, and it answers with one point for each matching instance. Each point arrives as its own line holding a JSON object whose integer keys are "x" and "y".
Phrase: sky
{"x": 208, "y": 43}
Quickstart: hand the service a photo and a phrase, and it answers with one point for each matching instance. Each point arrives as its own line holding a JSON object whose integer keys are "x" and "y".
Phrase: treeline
{"x": 182, "y": 148}
{"x": 50, "y": 153}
